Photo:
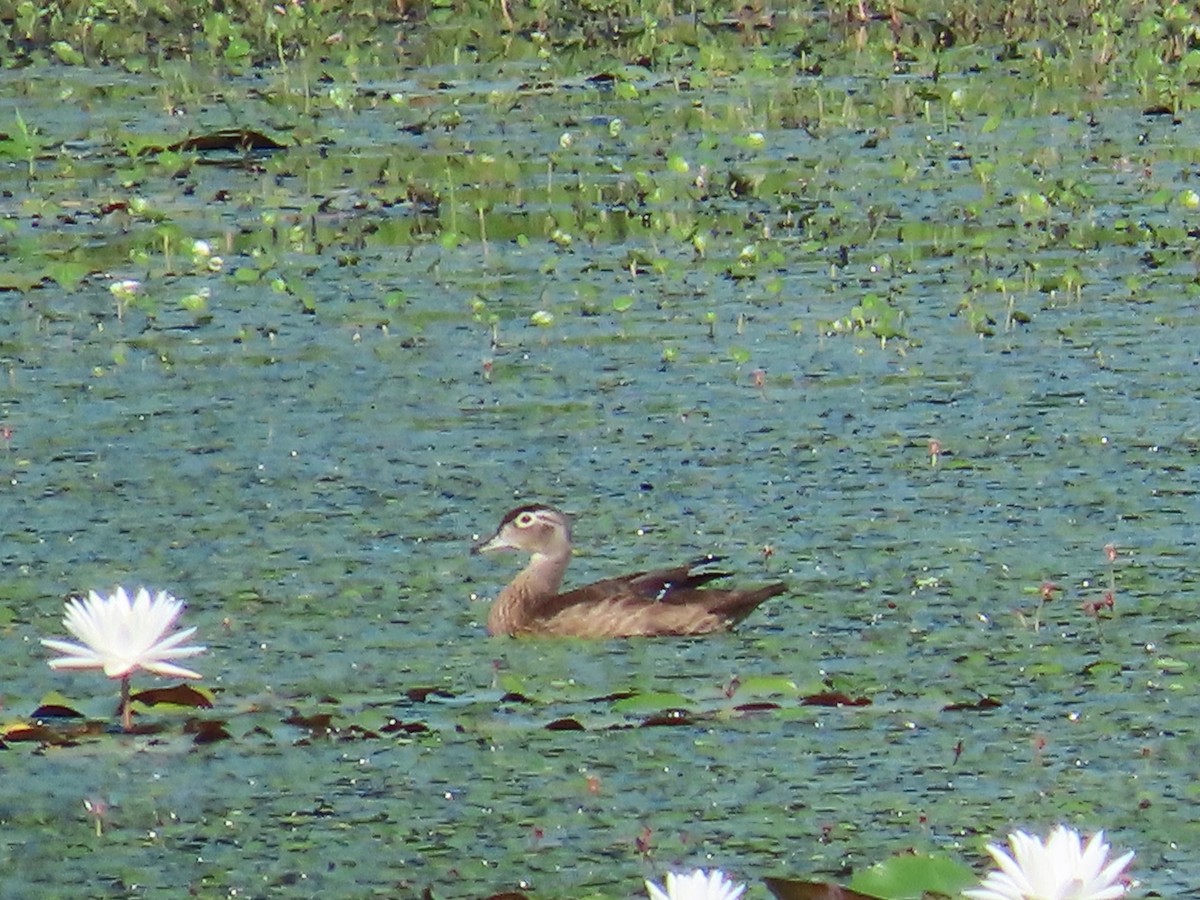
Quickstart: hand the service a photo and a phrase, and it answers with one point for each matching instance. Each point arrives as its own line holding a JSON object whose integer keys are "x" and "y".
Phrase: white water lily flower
{"x": 121, "y": 637}
{"x": 1059, "y": 869}
{"x": 125, "y": 289}
{"x": 698, "y": 885}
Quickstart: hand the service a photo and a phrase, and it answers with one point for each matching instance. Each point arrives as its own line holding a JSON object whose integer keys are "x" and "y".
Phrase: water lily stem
{"x": 126, "y": 710}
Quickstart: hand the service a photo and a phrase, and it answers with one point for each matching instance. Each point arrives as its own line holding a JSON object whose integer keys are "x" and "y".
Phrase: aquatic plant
{"x": 123, "y": 292}
{"x": 1060, "y": 867}
{"x": 1108, "y": 598}
{"x": 120, "y": 636}
{"x": 696, "y": 885}
{"x": 335, "y": 373}
{"x": 22, "y": 143}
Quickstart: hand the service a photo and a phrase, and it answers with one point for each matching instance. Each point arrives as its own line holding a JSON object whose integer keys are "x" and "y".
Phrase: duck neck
{"x": 518, "y": 603}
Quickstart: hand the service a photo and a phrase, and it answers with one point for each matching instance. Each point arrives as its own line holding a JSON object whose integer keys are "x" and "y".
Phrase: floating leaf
{"x": 64, "y": 735}
{"x": 238, "y": 139}
{"x": 54, "y": 711}
{"x": 178, "y": 695}
{"x": 669, "y": 717}
{"x": 567, "y": 724}
{"x": 911, "y": 876}
{"x": 24, "y": 731}
{"x": 767, "y": 684}
{"x": 612, "y": 698}
{"x": 515, "y": 697}
{"x": 320, "y": 722}
{"x": 762, "y": 706}
{"x": 55, "y": 705}
{"x": 67, "y": 54}
{"x": 1171, "y": 665}
{"x": 787, "y": 889}
{"x": 67, "y": 274}
{"x": 834, "y": 698}
{"x": 980, "y": 705}
{"x": 425, "y": 694}
{"x": 648, "y": 702}
{"x": 206, "y": 731}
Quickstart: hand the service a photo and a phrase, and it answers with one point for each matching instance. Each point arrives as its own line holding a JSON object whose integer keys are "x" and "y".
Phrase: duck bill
{"x": 495, "y": 542}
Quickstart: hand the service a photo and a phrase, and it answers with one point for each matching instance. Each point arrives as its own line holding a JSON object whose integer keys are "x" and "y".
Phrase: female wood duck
{"x": 641, "y": 604}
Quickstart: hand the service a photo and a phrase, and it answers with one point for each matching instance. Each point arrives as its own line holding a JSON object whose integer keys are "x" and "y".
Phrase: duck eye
{"x": 524, "y": 520}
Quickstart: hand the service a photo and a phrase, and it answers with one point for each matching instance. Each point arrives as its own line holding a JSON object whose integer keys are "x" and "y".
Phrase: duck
{"x": 655, "y": 603}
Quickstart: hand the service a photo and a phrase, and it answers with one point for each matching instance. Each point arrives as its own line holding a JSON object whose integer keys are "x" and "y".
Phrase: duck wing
{"x": 673, "y": 585}
{"x": 658, "y": 602}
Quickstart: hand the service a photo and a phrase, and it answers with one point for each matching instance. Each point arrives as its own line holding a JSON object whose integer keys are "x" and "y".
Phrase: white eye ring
{"x": 524, "y": 520}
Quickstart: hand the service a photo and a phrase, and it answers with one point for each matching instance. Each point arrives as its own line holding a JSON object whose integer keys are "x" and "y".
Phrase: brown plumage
{"x": 641, "y": 604}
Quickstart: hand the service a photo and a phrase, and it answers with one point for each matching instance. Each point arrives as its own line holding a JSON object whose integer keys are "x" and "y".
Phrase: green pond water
{"x": 761, "y": 295}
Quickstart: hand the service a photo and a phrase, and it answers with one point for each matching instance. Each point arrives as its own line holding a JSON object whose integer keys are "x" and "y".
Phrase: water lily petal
{"x": 1061, "y": 867}
{"x": 119, "y": 635}
{"x": 696, "y": 885}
